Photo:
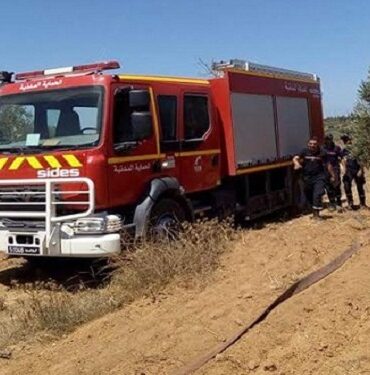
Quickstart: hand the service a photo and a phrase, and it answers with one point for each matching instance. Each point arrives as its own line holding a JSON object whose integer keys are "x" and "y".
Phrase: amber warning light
{"x": 96, "y": 67}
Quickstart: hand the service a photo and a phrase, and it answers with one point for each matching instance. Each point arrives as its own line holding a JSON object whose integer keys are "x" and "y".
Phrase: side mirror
{"x": 139, "y": 98}
{"x": 141, "y": 123}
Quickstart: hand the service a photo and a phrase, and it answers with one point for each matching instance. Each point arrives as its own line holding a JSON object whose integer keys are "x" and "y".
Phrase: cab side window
{"x": 196, "y": 116}
{"x": 167, "y": 105}
{"x": 132, "y": 118}
{"x": 122, "y": 117}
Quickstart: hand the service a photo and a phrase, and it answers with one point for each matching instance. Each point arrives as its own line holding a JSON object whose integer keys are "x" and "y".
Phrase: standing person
{"x": 334, "y": 155}
{"x": 313, "y": 161}
{"x": 352, "y": 170}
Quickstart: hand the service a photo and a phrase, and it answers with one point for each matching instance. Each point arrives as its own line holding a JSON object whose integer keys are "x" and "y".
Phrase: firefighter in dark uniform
{"x": 314, "y": 164}
{"x": 352, "y": 170}
{"x": 334, "y": 156}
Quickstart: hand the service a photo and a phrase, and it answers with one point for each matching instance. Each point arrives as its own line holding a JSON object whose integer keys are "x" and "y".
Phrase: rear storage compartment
{"x": 267, "y": 115}
{"x": 255, "y": 135}
{"x": 267, "y": 128}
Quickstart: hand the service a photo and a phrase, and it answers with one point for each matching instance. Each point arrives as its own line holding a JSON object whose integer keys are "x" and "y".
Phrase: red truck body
{"x": 197, "y": 146}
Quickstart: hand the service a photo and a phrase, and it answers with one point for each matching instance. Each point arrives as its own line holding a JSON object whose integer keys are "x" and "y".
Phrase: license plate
{"x": 24, "y": 250}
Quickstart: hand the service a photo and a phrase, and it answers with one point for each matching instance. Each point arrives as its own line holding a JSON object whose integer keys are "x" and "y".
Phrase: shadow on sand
{"x": 71, "y": 274}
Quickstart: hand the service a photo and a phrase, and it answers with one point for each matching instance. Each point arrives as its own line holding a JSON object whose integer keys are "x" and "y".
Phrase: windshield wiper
{"x": 68, "y": 147}
{"x": 42, "y": 148}
{"x": 20, "y": 149}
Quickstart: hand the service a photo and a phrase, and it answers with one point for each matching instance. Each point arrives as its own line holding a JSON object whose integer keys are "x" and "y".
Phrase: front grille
{"x": 27, "y": 202}
{"x": 16, "y": 195}
{"x": 23, "y": 225}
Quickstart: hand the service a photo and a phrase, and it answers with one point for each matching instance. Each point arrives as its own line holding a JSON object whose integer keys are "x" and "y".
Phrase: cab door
{"x": 167, "y": 98}
{"x": 134, "y": 152}
{"x": 199, "y": 157}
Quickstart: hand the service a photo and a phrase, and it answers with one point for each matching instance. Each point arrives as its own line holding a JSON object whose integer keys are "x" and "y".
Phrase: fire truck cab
{"x": 85, "y": 154}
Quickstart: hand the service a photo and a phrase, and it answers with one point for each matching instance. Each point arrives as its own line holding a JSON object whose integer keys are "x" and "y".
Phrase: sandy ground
{"x": 324, "y": 330}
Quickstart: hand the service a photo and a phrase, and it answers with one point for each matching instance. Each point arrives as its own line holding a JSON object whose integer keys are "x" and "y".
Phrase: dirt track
{"x": 325, "y": 330}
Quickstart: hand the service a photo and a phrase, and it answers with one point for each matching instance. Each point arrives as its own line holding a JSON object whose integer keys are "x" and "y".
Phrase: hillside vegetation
{"x": 357, "y": 124}
{"x": 338, "y": 126}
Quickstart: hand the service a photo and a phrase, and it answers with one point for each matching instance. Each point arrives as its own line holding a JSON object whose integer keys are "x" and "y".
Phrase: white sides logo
{"x": 47, "y": 173}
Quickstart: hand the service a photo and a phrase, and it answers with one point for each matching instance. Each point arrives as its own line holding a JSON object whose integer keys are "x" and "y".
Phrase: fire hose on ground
{"x": 294, "y": 289}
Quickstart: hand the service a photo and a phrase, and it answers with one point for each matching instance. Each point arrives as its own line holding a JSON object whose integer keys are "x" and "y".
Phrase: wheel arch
{"x": 160, "y": 188}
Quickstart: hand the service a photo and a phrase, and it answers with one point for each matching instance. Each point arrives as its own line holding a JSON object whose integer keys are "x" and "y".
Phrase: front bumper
{"x": 91, "y": 246}
{"x": 102, "y": 245}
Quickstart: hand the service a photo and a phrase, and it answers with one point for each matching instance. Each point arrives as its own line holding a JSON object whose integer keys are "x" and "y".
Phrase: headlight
{"x": 95, "y": 225}
{"x": 89, "y": 225}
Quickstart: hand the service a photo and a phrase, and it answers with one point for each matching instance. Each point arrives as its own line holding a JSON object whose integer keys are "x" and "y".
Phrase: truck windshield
{"x": 51, "y": 119}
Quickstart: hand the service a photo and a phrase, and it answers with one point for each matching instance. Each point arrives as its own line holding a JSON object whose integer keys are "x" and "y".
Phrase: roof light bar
{"x": 96, "y": 67}
{"x": 253, "y": 67}
{"x": 55, "y": 71}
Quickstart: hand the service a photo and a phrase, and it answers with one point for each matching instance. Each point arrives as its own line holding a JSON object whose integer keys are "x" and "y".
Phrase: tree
{"x": 338, "y": 125}
{"x": 361, "y": 122}
{"x": 15, "y": 123}
{"x": 207, "y": 68}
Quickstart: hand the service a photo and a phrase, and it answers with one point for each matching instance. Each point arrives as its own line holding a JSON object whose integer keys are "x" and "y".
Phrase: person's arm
{"x": 329, "y": 166}
{"x": 339, "y": 154}
{"x": 360, "y": 173}
{"x": 297, "y": 162}
{"x": 331, "y": 172}
{"x": 344, "y": 165}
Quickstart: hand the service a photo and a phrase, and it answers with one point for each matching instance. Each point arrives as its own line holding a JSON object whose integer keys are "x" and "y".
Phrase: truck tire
{"x": 165, "y": 218}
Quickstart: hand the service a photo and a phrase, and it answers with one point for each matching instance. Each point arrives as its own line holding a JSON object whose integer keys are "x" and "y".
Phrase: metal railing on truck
{"x": 52, "y": 193}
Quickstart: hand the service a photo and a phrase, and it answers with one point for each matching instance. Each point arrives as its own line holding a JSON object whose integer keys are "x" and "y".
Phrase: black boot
{"x": 363, "y": 202}
{"x": 351, "y": 206}
{"x": 339, "y": 202}
{"x": 316, "y": 214}
{"x": 332, "y": 207}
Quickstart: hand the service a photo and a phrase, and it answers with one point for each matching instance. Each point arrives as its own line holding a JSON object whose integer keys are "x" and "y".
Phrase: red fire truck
{"x": 85, "y": 154}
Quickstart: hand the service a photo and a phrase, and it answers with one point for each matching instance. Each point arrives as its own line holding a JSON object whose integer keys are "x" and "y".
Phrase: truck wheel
{"x": 165, "y": 218}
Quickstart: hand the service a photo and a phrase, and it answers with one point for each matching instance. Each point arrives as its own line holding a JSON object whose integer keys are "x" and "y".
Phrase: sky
{"x": 328, "y": 37}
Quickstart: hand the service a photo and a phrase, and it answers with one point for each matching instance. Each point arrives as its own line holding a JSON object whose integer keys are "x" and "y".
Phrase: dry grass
{"x": 143, "y": 271}
{"x": 154, "y": 264}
